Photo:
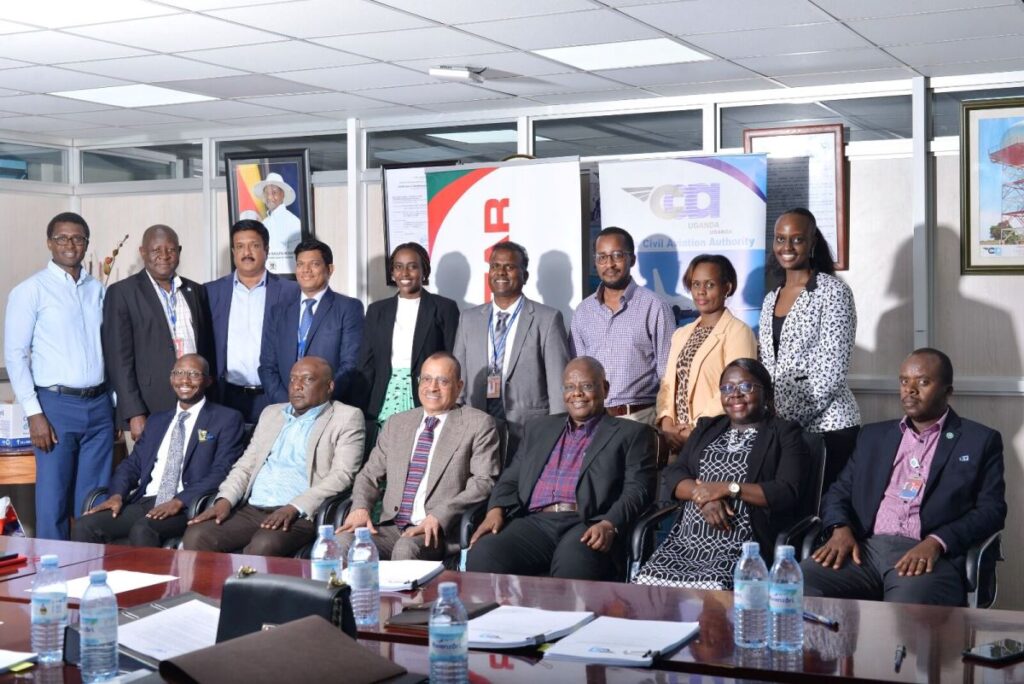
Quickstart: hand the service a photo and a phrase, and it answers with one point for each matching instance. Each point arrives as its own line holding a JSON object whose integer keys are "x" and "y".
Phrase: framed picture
{"x": 992, "y": 186}
{"x": 806, "y": 168}
{"x": 273, "y": 188}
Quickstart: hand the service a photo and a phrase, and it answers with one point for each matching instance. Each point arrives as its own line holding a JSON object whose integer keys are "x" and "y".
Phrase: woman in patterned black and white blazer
{"x": 807, "y": 331}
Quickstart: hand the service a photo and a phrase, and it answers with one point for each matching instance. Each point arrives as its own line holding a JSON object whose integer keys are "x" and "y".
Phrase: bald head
{"x": 584, "y": 388}
{"x": 197, "y": 359}
{"x": 310, "y": 384}
{"x": 160, "y": 253}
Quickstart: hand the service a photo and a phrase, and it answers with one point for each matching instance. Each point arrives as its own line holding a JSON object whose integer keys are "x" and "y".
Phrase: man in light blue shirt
{"x": 55, "y": 361}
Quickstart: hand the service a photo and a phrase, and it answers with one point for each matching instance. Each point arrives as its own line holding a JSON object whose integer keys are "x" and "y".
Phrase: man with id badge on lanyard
{"x": 150, "y": 320}
{"x": 512, "y": 350}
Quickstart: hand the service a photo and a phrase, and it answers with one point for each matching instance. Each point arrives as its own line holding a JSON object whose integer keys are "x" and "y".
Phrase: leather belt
{"x": 626, "y": 409}
{"x": 80, "y": 392}
{"x": 559, "y": 508}
{"x": 254, "y": 390}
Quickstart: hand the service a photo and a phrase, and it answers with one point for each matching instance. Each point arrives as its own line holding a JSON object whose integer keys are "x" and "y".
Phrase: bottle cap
{"x": 448, "y": 590}
{"x": 98, "y": 577}
{"x": 48, "y": 561}
{"x": 751, "y": 548}
{"x": 363, "y": 533}
{"x": 785, "y": 551}
{"x": 326, "y": 531}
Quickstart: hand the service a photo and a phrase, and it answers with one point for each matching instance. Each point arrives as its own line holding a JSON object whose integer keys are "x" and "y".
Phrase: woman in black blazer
{"x": 740, "y": 479}
{"x": 400, "y": 333}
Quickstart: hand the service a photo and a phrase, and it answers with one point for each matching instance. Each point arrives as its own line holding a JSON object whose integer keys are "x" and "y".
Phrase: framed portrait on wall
{"x": 806, "y": 168}
{"x": 273, "y": 188}
{"x": 992, "y": 186}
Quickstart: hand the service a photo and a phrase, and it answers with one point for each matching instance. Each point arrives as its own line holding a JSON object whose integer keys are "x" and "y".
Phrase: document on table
{"x": 119, "y": 581}
{"x": 617, "y": 641}
{"x": 175, "y": 631}
{"x": 10, "y": 658}
{"x": 404, "y": 575}
{"x": 518, "y": 626}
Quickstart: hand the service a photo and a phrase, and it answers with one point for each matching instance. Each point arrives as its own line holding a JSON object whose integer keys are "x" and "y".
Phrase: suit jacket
{"x": 138, "y": 349}
{"x": 333, "y": 455}
{"x": 206, "y": 463}
{"x": 533, "y": 378}
{"x": 778, "y": 461}
{"x": 462, "y": 470}
{"x": 729, "y": 340}
{"x": 963, "y": 501}
{"x": 616, "y": 480}
{"x": 436, "y": 322}
{"x": 219, "y": 293}
{"x": 334, "y": 335}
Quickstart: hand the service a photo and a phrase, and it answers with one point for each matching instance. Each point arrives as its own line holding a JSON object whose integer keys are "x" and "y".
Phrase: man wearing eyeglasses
{"x": 55, "y": 362}
{"x": 436, "y": 461}
{"x": 180, "y": 455}
{"x": 626, "y": 327}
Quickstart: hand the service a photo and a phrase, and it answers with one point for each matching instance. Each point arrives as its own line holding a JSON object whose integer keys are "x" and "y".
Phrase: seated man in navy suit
{"x": 180, "y": 454}
{"x": 915, "y": 496}
{"x": 319, "y": 322}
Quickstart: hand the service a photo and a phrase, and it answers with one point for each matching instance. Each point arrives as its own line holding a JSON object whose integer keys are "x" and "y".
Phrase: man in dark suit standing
{"x": 573, "y": 491}
{"x": 915, "y": 496}
{"x": 318, "y": 322}
{"x": 240, "y": 304}
{"x": 150, "y": 320}
{"x": 181, "y": 454}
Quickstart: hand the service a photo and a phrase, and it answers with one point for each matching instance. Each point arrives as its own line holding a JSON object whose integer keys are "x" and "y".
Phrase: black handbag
{"x": 251, "y": 602}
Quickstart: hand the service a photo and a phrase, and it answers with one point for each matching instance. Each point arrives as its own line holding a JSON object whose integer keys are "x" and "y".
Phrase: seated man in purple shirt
{"x": 915, "y": 496}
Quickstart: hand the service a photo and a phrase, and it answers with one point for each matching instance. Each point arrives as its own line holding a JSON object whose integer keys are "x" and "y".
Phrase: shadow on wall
{"x": 376, "y": 282}
{"x": 662, "y": 273}
{"x": 554, "y": 274}
{"x": 451, "y": 276}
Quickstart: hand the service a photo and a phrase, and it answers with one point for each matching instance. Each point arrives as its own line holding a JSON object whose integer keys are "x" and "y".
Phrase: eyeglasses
{"x": 304, "y": 380}
{"x": 585, "y": 387}
{"x": 76, "y": 240}
{"x": 190, "y": 374}
{"x": 612, "y": 256}
{"x": 439, "y": 379}
{"x": 730, "y": 388}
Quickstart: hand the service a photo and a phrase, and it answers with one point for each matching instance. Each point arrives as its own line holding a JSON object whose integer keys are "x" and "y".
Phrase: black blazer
{"x": 778, "y": 461}
{"x": 436, "y": 323}
{"x": 965, "y": 496}
{"x": 138, "y": 349}
{"x": 616, "y": 480}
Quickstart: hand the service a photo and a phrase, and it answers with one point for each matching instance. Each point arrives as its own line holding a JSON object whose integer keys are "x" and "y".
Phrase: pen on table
{"x": 821, "y": 620}
{"x": 901, "y": 652}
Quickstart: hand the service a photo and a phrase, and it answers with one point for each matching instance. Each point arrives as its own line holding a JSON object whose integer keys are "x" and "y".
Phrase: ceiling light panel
{"x": 320, "y": 18}
{"x": 287, "y": 55}
{"x": 139, "y": 95}
{"x": 439, "y": 42}
{"x": 561, "y": 30}
{"x": 624, "y": 54}
{"x": 177, "y": 33}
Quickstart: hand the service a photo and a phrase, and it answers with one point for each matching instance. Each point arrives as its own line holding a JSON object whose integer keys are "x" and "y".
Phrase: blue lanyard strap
{"x": 170, "y": 305}
{"x": 499, "y": 344}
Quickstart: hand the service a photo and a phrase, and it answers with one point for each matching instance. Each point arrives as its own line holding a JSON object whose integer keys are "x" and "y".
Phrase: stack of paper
{"x": 119, "y": 581}
{"x": 9, "y": 659}
{"x": 404, "y": 575}
{"x": 616, "y": 641}
{"x": 518, "y": 626}
{"x": 172, "y": 632}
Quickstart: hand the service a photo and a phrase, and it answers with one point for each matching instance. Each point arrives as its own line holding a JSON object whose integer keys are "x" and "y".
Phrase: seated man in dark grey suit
{"x": 437, "y": 460}
{"x": 573, "y": 491}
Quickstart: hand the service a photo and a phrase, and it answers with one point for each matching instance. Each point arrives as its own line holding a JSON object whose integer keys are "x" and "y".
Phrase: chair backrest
{"x": 811, "y": 494}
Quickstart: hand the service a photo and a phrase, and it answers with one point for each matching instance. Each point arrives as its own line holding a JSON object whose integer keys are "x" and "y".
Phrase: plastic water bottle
{"x": 49, "y": 611}
{"x": 449, "y": 638}
{"x": 786, "y": 601}
{"x": 364, "y": 579}
{"x": 326, "y": 555}
{"x": 750, "y": 598}
{"x": 98, "y": 617}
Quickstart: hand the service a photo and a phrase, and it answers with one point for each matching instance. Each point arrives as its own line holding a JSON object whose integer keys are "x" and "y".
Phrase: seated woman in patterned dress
{"x": 739, "y": 478}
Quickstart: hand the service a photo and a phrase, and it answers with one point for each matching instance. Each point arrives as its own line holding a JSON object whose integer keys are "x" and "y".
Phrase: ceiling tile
{"x": 152, "y": 69}
{"x": 480, "y": 105}
{"x": 603, "y": 96}
{"x": 120, "y": 117}
{"x": 731, "y": 86}
{"x": 80, "y": 13}
{"x": 800, "y": 80}
{"x": 11, "y": 27}
{"x": 240, "y": 86}
{"x": 987, "y": 67}
{"x": 820, "y": 62}
{"x": 426, "y": 94}
{"x": 713, "y": 16}
{"x": 461, "y": 12}
{"x": 40, "y": 124}
{"x": 938, "y": 26}
{"x": 45, "y": 47}
{"x": 4, "y": 92}
{"x": 778, "y": 41}
{"x": 861, "y": 9}
{"x": 556, "y": 83}
{"x": 46, "y": 79}
{"x": 960, "y": 51}
{"x": 217, "y": 109}
{"x": 318, "y": 18}
{"x": 287, "y": 55}
{"x": 285, "y": 119}
{"x": 358, "y": 76}
{"x": 561, "y": 30}
{"x": 316, "y": 102}
{"x": 631, "y": 3}
{"x": 177, "y": 33}
{"x": 12, "y": 64}
{"x": 438, "y": 41}
{"x": 46, "y": 104}
{"x": 716, "y": 70}
{"x": 501, "y": 65}
{"x": 204, "y": 5}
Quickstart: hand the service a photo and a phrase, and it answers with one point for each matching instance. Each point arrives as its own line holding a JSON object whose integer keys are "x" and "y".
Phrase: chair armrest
{"x": 641, "y": 533}
{"x": 201, "y": 503}
{"x": 327, "y": 513}
{"x": 341, "y": 511}
{"x": 977, "y": 554}
{"x": 471, "y": 517}
{"x": 93, "y": 498}
{"x": 801, "y": 536}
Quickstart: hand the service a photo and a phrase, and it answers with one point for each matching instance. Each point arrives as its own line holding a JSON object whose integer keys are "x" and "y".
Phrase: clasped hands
{"x": 842, "y": 544}
{"x": 710, "y": 499}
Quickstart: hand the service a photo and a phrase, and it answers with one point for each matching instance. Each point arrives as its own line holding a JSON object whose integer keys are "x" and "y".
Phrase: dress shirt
{"x": 180, "y": 327}
{"x": 557, "y": 482}
{"x": 52, "y": 334}
{"x": 632, "y": 343}
{"x": 509, "y": 339}
{"x": 161, "y": 455}
{"x": 405, "y": 328}
{"x": 283, "y": 475}
{"x": 316, "y": 301}
{"x": 896, "y": 515}
{"x": 245, "y": 331}
{"x": 419, "y": 511}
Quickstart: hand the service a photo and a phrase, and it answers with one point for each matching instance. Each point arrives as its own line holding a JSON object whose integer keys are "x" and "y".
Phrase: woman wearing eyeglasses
{"x": 700, "y": 350}
{"x": 808, "y": 327}
{"x": 738, "y": 478}
{"x": 400, "y": 333}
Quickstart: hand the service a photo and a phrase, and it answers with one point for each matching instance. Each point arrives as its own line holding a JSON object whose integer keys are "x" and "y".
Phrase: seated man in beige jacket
{"x": 301, "y": 453}
{"x": 438, "y": 461}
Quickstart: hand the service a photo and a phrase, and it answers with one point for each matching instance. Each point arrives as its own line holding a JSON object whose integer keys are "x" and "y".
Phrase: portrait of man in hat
{"x": 285, "y": 227}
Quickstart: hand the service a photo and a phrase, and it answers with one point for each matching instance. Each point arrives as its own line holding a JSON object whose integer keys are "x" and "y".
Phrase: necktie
{"x": 175, "y": 457}
{"x": 305, "y": 321}
{"x": 417, "y": 468}
{"x": 499, "y": 341}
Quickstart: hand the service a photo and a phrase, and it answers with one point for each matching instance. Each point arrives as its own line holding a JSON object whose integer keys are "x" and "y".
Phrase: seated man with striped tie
{"x": 437, "y": 461}
{"x": 180, "y": 454}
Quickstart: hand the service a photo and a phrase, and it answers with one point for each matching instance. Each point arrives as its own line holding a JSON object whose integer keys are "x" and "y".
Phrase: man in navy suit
{"x": 319, "y": 322}
{"x": 240, "y": 304}
{"x": 181, "y": 454}
{"x": 915, "y": 496}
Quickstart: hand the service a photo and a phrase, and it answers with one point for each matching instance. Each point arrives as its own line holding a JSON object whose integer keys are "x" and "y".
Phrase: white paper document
{"x": 519, "y": 626}
{"x": 617, "y": 641}
{"x": 404, "y": 575}
{"x": 169, "y": 633}
{"x": 11, "y": 658}
{"x": 119, "y": 581}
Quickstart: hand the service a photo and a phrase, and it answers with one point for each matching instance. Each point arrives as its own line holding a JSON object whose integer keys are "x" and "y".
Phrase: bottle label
{"x": 448, "y": 642}
{"x": 362, "y": 575}
{"x": 323, "y": 567}
{"x": 49, "y": 609}
{"x": 97, "y": 630}
{"x": 786, "y": 598}
{"x": 750, "y": 595}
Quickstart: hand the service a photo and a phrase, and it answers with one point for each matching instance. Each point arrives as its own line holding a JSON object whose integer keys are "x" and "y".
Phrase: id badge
{"x": 493, "y": 386}
{"x": 179, "y": 347}
{"x": 911, "y": 488}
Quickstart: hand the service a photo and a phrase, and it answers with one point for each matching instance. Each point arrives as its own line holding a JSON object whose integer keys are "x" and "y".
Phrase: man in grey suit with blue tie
{"x": 512, "y": 350}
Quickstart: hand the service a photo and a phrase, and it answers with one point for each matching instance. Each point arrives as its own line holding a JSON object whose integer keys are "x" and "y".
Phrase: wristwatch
{"x": 734, "y": 490}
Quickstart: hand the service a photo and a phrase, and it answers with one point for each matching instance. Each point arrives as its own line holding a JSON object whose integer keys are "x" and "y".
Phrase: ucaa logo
{"x": 672, "y": 202}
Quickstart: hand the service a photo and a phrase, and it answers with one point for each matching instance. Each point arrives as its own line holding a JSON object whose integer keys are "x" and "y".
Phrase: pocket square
{"x": 965, "y": 458}
{"x": 205, "y": 436}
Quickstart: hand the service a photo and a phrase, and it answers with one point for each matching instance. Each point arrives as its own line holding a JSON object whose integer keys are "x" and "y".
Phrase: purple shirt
{"x": 557, "y": 482}
{"x": 901, "y": 515}
{"x": 631, "y": 343}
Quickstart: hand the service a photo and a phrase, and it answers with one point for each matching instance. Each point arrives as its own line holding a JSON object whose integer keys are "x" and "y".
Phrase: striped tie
{"x": 417, "y": 468}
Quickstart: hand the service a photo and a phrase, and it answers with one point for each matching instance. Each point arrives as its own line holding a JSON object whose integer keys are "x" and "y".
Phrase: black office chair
{"x": 200, "y": 504}
{"x": 455, "y": 558}
{"x": 798, "y": 535}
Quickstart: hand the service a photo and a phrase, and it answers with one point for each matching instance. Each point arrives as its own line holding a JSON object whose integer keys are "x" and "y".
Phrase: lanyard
{"x": 499, "y": 344}
{"x": 170, "y": 305}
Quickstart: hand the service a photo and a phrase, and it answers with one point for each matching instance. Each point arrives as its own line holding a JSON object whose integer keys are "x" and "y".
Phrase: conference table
{"x": 861, "y": 650}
